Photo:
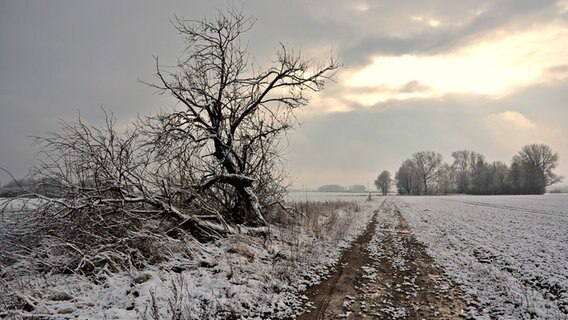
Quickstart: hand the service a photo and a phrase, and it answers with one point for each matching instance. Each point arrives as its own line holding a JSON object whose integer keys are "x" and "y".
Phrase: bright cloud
{"x": 511, "y": 129}
{"x": 434, "y": 23}
{"x": 562, "y": 5}
{"x": 493, "y": 65}
{"x": 363, "y": 7}
{"x": 513, "y": 118}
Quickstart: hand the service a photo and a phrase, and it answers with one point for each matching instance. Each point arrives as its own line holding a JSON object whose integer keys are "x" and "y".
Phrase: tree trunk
{"x": 251, "y": 214}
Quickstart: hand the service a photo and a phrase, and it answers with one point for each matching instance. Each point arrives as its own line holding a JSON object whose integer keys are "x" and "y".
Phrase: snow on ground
{"x": 508, "y": 253}
{"x": 240, "y": 276}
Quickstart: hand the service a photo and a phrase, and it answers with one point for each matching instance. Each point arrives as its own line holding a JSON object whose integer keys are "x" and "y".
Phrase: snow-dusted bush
{"x": 118, "y": 202}
{"x": 156, "y": 276}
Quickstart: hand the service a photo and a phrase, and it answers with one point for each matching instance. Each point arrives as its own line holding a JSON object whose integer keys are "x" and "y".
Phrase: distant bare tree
{"x": 384, "y": 182}
{"x": 530, "y": 173}
{"x": 499, "y": 172}
{"x": 467, "y": 164}
{"x": 514, "y": 178}
{"x": 444, "y": 179}
{"x": 461, "y": 160}
{"x": 407, "y": 180}
{"x": 232, "y": 115}
{"x": 427, "y": 164}
{"x": 536, "y": 162}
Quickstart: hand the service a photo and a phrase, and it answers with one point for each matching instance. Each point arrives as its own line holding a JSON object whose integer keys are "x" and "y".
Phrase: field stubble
{"x": 509, "y": 253}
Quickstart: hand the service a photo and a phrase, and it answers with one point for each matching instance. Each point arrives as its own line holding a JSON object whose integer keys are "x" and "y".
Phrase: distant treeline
{"x": 46, "y": 187}
{"x": 530, "y": 172}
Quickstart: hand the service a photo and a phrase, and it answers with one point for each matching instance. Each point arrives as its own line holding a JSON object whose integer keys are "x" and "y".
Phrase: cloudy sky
{"x": 489, "y": 76}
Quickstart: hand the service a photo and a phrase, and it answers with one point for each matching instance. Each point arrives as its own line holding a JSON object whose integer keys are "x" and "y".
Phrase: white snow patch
{"x": 508, "y": 253}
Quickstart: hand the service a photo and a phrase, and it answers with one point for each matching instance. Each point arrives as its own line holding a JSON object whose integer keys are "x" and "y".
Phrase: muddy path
{"x": 386, "y": 275}
{"x": 327, "y": 297}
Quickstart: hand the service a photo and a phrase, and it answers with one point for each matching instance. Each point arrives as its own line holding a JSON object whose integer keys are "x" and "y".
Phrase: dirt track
{"x": 386, "y": 275}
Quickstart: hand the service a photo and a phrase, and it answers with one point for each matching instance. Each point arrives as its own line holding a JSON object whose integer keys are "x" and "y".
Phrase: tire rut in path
{"x": 328, "y": 296}
{"x": 386, "y": 275}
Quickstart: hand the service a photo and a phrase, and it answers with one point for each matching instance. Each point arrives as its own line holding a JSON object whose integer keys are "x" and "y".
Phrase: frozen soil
{"x": 509, "y": 254}
{"x": 386, "y": 275}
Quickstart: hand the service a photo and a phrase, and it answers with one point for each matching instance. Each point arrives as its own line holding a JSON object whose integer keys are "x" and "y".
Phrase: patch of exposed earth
{"x": 386, "y": 275}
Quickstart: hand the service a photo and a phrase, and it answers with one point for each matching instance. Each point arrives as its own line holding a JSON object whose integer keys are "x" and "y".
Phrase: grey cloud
{"x": 414, "y": 86}
{"x": 379, "y": 138}
{"x": 57, "y": 57}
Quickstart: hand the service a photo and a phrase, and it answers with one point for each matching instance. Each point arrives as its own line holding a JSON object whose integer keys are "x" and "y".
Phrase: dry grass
{"x": 308, "y": 231}
{"x": 300, "y": 238}
{"x": 318, "y": 218}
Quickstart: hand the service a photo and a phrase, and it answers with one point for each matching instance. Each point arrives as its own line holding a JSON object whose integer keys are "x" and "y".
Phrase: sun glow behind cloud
{"x": 493, "y": 65}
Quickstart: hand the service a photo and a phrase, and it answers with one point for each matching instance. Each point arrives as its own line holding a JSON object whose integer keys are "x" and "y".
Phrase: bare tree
{"x": 427, "y": 164}
{"x": 461, "y": 167}
{"x": 444, "y": 179}
{"x": 461, "y": 159}
{"x": 232, "y": 115}
{"x": 118, "y": 198}
{"x": 467, "y": 164}
{"x": 384, "y": 182}
{"x": 102, "y": 208}
{"x": 530, "y": 173}
{"x": 499, "y": 172}
{"x": 407, "y": 181}
{"x": 536, "y": 162}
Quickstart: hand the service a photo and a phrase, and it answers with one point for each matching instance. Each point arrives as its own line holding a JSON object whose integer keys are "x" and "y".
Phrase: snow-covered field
{"x": 509, "y": 254}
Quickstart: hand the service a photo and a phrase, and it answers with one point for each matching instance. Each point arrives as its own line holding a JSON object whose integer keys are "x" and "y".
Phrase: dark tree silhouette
{"x": 536, "y": 162}
{"x": 383, "y": 182}
{"x": 426, "y": 164}
{"x": 232, "y": 115}
{"x": 530, "y": 172}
